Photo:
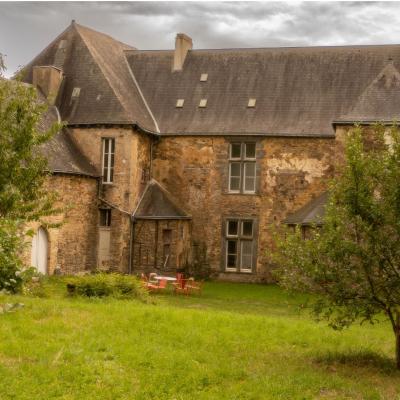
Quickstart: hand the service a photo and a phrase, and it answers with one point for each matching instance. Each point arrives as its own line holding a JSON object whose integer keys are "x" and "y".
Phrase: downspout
{"x": 131, "y": 247}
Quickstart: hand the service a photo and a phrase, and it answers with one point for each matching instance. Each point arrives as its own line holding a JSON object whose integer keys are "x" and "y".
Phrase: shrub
{"x": 105, "y": 285}
{"x": 11, "y": 277}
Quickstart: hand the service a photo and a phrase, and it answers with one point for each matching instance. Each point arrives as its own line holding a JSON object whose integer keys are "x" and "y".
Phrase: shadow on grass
{"x": 359, "y": 359}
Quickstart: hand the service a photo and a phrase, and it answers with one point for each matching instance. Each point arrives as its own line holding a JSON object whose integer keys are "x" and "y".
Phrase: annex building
{"x": 187, "y": 158}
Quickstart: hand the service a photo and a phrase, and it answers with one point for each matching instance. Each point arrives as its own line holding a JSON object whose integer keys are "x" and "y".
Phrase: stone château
{"x": 187, "y": 158}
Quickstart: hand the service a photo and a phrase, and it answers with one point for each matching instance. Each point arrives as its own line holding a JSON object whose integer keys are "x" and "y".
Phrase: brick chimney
{"x": 48, "y": 80}
{"x": 183, "y": 44}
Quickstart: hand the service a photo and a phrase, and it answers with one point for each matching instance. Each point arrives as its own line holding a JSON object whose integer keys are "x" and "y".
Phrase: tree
{"x": 353, "y": 261}
{"x": 23, "y": 171}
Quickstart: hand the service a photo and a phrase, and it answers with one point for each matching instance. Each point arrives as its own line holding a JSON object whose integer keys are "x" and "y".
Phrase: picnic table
{"x": 167, "y": 278}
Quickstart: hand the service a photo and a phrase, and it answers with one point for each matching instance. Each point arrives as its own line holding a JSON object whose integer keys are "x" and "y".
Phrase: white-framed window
{"x": 108, "y": 159}
{"x": 239, "y": 244}
{"x": 242, "y": 167}
{"x": 105, "y": 217}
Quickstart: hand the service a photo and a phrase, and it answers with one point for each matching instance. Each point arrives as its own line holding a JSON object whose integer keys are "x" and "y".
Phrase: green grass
{"x": 237, "y": 341}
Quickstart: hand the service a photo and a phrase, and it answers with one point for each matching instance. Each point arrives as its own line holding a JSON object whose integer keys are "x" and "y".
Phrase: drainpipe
{"x": 151, "y": 159}
{"x": 131, "y": 247}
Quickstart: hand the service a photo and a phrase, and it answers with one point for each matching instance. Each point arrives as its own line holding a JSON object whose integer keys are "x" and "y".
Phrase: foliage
{"x": 105, "y": 285}
{"x": 353, "y": 262}
{"x": 23, "y": 196}
{"x": 236, "y": 341}
{"x": 11, "y": 278}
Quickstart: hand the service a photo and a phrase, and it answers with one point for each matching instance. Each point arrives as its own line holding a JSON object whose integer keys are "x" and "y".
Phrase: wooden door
{"x": 40, "y": 249}
{"x": 103, "y": 258}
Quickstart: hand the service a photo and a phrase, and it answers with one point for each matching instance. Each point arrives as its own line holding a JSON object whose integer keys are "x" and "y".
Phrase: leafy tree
{"x": 23, "y": 196}
{"x": 353, "y": 261}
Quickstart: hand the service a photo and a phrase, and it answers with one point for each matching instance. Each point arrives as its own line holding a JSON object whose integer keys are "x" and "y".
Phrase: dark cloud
{"x": 26, "y": 28}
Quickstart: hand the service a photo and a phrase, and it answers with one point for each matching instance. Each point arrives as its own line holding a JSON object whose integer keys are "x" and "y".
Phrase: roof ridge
{"x": 69, "y": 27}
{"x": 132, "y": 75}
{"x": 104, "y": 34}
{"x": 221, "y": 49}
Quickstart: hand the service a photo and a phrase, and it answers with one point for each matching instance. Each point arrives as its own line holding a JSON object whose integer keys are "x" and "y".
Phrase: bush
{"x": 11, "y": 277}
{"x": 105, "y": 285}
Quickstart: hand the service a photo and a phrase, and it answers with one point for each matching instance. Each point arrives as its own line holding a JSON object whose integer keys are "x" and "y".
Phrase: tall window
{"x": 105, "y": 217}
{"x": 242, "y": 168}
{"x": 108, "y": 160}
{"x": 239, "y": 236}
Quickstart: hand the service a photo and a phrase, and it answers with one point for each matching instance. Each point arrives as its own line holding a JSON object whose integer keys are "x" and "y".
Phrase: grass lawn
{"x": 236, "y": 341}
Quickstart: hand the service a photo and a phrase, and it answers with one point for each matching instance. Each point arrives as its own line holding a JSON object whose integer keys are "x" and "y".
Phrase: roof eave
{"x": 364, "y": 122}
{"x": 175, "y": 217}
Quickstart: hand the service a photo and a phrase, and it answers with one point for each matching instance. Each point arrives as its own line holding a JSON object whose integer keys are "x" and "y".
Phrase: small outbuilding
{"x": 161, "y": 232}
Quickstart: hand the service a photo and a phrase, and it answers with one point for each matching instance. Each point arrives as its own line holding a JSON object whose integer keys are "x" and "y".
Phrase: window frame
{"x": 240, "y": 238}
{"x": 244, "y": 162}
{"x": 108, "y": 149}
{"x": 108, "y": 218}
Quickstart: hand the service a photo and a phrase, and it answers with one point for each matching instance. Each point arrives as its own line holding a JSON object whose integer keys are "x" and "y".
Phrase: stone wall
{"x": 131, "y": 172}
{"x": 154, "y": 239}
{"x": 72, "y": 245}
{"x": 290, "y": 172}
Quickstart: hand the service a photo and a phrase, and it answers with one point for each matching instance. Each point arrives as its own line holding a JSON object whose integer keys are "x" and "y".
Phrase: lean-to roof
{"x": 158, "y": 203}
{"x": 311, "y": 214}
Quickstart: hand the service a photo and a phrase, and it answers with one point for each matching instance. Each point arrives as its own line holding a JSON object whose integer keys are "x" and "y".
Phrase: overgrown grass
{"x": 237, "y": 341}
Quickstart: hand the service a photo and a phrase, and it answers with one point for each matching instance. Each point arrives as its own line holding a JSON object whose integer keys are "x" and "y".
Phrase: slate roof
{"x": 311, "y": 214}
{"x": 63, "y": 155}
{"x": 380, "y": 101}
{"x": 95, "y": 63}
{"x": 298, "y": 91}
{"x": 158, "y": 203}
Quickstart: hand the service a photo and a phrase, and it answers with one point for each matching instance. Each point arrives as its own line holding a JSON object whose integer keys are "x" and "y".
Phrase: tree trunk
{"x": 397, "y": 333}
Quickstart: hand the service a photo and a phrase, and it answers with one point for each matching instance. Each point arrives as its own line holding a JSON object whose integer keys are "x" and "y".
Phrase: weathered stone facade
{"x": 131, "y": 172}
{"x": 290, "y": 171}
{"x": 72, "y": 246}
{"x": 172, "y": 118}
{"x": 161, "y": 245}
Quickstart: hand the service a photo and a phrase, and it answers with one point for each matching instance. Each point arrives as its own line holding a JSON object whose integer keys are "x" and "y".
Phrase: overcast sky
{"x": 26, "y": 28}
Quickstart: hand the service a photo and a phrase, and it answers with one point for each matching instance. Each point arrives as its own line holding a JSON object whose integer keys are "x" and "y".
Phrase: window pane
{"x": 247, "y": 228}
{"x": 234, "y": 184}
{"x": 250, "y": 177}
{"x": 250, "y": 150}
{"x": 235, "y": 169}
{"x": 234, "y": 172}
{"x": 233, "y": 228}
{"x": 246, "y": 255}
{"x": 231, "y": 256}
{"x": 105, "y": 217}
{"x": 236, "y": 150}
{"x": 231, "y": 261}
{"x": 232, "y": 246}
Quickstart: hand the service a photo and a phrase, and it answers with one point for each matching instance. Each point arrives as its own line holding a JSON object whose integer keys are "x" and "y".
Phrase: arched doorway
{"x": 40, "y": 248}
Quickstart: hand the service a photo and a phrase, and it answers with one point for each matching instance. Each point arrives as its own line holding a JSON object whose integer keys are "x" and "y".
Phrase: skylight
{"x": 75, "y": 92}
{"x": 251, "y": 103}
{"x": 179, "y": 103}
{"x": 203, "y": 103}
{"x": 203, "y": 77}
